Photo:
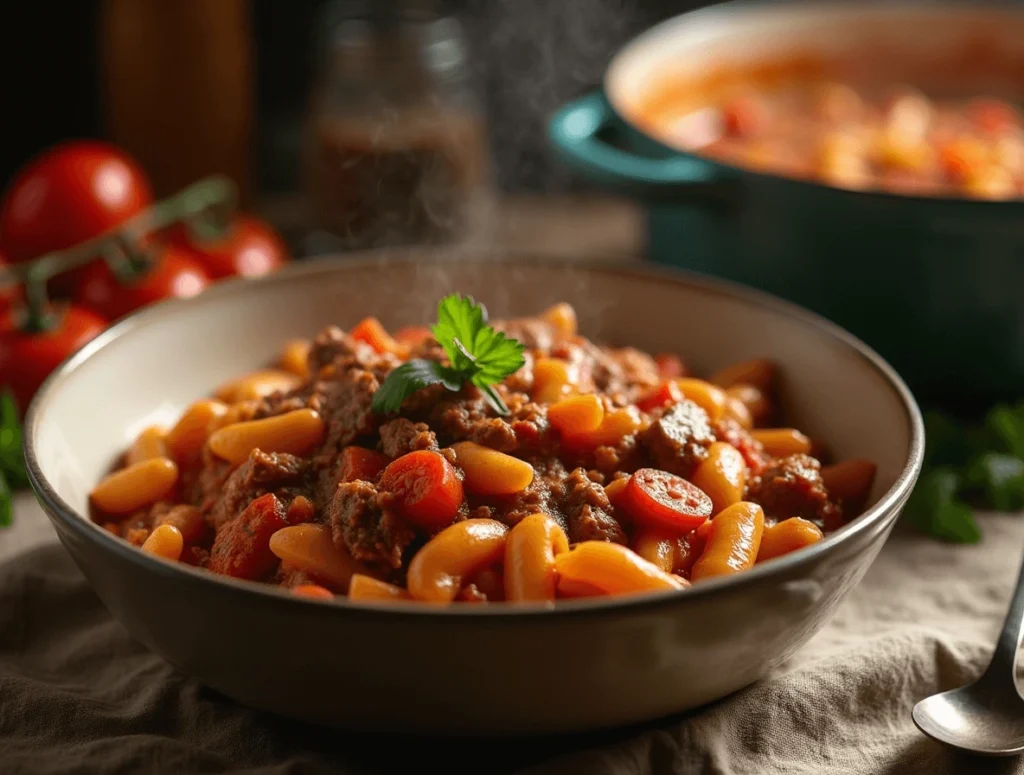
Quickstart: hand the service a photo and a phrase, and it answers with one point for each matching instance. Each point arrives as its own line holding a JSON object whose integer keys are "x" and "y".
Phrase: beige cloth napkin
{"x": 924, "y": 619}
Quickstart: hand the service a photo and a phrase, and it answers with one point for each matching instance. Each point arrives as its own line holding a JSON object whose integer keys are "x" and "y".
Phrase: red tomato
{"x": 71, "y": 193}
{"x": 992, "y": 116}
{"x": 173, "y": 275}
{"x": 27, "y": 358}
{"x": 666, "y": 393}
{"x": 658, "y": 499}
{"x": 745, "y": 116}
{"x": 670, "y": 366}
{"x": 361, "y": 463}
{"x": 426, "y": 487}
{"x": 251, "y": 249}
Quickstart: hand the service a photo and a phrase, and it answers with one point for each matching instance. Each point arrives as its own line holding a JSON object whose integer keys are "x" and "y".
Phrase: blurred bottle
{"x": 178, "y": 84}
{"x": 396, "y": 148}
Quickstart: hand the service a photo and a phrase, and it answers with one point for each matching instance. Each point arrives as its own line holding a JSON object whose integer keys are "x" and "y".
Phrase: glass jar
{"x": 396, "y": 146}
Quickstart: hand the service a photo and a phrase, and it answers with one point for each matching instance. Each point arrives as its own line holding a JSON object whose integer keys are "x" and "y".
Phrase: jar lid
{"x": 420, "y": 30}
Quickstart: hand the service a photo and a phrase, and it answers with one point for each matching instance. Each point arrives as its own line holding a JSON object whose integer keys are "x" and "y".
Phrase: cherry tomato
{"x": 27, "y": 358}
{"x": 69, "y": 194}
{"x": 658, "y": 499}
{"x": 426, "y": 487}
{"x": 173, "y": 275}
{"x": 251, "y": 249}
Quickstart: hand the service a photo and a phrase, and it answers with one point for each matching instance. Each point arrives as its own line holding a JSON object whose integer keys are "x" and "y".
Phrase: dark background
{"x": 528, "y": 55}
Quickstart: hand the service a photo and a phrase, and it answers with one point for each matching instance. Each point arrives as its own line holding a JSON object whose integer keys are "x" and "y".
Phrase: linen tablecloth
{"x": 78, "y": 695}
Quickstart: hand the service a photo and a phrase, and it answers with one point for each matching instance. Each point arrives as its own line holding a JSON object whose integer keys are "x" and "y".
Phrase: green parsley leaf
{"x": 6, "y": 502}
{"x": 459, "y": 321}
{"x": 936, "y": 509}
{"x": 407, "y": 379}
{"x": 479, "y": 355}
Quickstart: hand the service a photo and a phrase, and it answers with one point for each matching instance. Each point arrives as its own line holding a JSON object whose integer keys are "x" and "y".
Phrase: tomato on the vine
{"x": 68, "y": 194}
{"x": 173, "y": 273}
{"x": 251, "y": 248}
{"x": 27, "y": 357}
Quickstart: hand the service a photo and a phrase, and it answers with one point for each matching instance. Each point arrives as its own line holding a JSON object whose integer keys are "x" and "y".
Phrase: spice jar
{"x": 396, "y": 145}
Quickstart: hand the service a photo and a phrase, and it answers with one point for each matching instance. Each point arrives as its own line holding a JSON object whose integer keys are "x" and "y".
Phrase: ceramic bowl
{"x": 477, "y": 670}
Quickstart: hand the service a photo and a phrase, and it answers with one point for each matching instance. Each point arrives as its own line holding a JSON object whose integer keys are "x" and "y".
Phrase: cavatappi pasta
{"x": 614, "y": 472}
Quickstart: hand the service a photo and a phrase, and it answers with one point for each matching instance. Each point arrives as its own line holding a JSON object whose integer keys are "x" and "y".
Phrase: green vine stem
{"x": 205, "y": 208}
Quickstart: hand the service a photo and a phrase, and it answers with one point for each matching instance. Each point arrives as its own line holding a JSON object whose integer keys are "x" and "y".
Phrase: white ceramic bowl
{"x": 469, "y": 669}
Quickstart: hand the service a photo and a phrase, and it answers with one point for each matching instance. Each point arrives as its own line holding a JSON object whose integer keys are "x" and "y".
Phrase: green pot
{"x": 933, "y": 284}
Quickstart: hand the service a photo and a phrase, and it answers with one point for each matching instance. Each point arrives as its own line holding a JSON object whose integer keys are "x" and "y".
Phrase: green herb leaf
{"x": 935, "y": 508}
{"x": 407, "y": 379}
{"x": 1001, "y": 478}
{"x": 1006, "y": 424}
{"x": 479, "y": 355}
{"x": 12, "y": 459}
{"x": 6, "y": 503}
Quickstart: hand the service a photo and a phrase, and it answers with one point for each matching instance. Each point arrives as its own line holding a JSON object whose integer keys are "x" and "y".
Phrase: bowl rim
{"x": 723, "y": 10}
{"x": 882, "y": 511}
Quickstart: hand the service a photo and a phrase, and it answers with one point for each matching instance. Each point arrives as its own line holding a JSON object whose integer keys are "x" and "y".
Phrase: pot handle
{"x": 574, "y": 130}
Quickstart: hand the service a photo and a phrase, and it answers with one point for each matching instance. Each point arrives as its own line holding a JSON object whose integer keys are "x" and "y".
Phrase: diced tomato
{"x": 361, "y": 463}
{"x": 370, "y": 331}
{"x": 666, "y": 393}
{"x": 658, "y": 499}
{"x": 961, "y": 159}
{"x": 242, "y": 547}
{"x": 670, "y": 366}
{"x": 412, "y": 334}
{"x": 992, "y": 116}
{"x": 426, "y": 487}
{"x": 745, "y": 116}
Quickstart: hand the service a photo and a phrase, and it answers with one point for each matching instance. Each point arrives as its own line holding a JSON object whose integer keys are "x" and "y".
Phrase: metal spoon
{"x": 986, "y": 717}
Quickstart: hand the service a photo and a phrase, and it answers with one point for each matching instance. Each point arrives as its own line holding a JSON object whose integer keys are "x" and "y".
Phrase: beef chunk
{"x": 471, "y": 419}
{"x": 242, "y": 546}
{"x": 330, "y": 345}
{"x": 345, "y": 404}
{"x": 401, "y": 436}
{"x": 625, "y": 370}
{"x": 362, "y": 523}
{"x": 792, "y": 487}
{"x": 263, "y": 472}
{"x": 588, "y": 511}
{"x": 678, "y": 440}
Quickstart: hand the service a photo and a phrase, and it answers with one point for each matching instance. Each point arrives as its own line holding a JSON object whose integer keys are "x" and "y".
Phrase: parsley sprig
{"x": 966, "y": 466}
{"x": 12, "y": 462}
{"x": 477, "y": 354}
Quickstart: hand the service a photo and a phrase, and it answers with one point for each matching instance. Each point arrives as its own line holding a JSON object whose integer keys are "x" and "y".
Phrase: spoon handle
{"x": 1004, "y": 658}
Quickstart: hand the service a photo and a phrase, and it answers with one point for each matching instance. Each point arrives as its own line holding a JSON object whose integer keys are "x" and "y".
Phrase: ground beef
{"x": 627, "y": 370}
{"x": 533, "y": 333}
{"x": 330, "y": 345}
{"x": 731, "y": 432}
{"x": 545, "y": 494}
{"x": 362, "y": 523}
{"x": 263, "y": 472}
{"x": 187, "y": 519}
{"x": 401, "y": 436}
{"x": 345, "y": 403}
{"x": 678, "y": 440}
{"x": 472, "y": 419}
{"x": 792, "y": 487}
{"x": 588, "y": 511}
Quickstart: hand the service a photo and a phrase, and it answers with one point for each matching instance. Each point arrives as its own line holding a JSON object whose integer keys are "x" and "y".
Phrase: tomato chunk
{"x": 659, "y": 499}
{"x": 361, "y": 463}
{"x": 412, "y": 334}
{"x": 426, "y": 487}
{"x": 242, "y": 547}
{"x": 670, "y": 366}
{"x": 666, "y": 393}
{"x": 370, "y": 331}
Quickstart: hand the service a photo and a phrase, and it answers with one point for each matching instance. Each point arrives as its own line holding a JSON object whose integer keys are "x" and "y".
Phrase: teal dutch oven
{"x": 936, "y": 285}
